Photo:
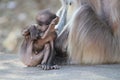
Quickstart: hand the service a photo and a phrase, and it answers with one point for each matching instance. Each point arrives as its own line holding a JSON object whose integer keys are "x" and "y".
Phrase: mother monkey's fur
{"x": 92, "y": 34}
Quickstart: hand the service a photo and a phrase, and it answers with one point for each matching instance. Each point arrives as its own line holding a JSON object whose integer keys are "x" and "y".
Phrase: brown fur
{"x": 94, "y": 32}
{"x": 38, "y": 45}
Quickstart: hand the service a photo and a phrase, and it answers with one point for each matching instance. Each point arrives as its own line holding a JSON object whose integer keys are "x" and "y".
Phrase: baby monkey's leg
{"x": 52, "y": 56}
{"x": 47, "y": 62}
{"x": 44, "y": 64}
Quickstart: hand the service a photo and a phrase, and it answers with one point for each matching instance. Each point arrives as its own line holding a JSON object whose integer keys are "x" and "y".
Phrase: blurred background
{"x": 17, "y": 14}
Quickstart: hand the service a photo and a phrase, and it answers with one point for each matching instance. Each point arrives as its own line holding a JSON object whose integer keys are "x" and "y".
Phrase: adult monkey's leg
{"x": 61, "y": 41}
{"x": 62, "y": 13}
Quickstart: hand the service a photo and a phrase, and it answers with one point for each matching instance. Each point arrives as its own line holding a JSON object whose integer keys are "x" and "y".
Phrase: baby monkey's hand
{"x": 31, "y": 31}
{"x": 34, "y": 32}
{"x": 25, "y": 32}
{"x": 53, "y": 23}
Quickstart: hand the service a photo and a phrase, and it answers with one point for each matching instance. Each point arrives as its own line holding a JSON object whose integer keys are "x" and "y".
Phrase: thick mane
{"x": 94, "y": 33}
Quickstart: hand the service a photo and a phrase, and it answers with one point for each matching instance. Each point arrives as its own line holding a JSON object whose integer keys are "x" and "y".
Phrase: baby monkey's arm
{"x": 51, "y": 27}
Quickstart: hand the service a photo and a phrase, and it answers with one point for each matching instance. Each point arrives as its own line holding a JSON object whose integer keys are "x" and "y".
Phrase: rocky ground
{"x": 12, "y": 69}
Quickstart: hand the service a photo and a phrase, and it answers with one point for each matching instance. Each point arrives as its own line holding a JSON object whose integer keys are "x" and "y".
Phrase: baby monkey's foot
{"x": 48, "y": 67}
{"x": 55, "y": 67}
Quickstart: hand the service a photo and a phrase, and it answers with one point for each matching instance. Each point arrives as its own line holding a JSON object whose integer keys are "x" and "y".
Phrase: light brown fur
{"x": 94, "y": 32}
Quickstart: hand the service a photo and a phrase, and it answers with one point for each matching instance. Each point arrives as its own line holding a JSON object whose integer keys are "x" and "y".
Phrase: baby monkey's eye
{"x": 43, "y": 23}
{"x": 40, "y": 23}
{"x": 47, "y": 23}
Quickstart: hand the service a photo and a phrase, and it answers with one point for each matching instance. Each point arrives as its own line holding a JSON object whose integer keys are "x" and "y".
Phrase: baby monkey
{"x": 40, "y": 41}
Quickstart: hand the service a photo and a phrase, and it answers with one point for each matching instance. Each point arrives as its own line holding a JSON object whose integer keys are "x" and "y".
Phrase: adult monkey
{"x": 92, "y": 34}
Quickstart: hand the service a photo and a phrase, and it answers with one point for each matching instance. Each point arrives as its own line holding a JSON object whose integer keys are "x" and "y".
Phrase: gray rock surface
{"x": 12, "y": 69}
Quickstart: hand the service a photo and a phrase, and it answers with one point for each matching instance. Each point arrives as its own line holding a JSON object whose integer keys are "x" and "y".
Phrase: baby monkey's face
{"x": 42, "y": 28}
{"x": 43, "y": 22}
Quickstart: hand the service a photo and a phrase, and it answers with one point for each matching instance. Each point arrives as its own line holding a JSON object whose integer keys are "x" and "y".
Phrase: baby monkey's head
{"x": 44, "y": 18}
